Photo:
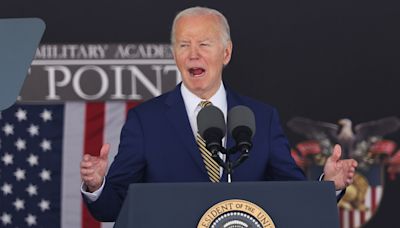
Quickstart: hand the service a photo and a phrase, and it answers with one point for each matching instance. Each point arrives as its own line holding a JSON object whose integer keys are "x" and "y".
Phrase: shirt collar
{"x": 191, "y": 100}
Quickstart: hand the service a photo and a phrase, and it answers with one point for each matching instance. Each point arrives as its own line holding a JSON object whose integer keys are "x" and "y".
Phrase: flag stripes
{"x": 87, "y": 127}
{"x": 356, "y": 218}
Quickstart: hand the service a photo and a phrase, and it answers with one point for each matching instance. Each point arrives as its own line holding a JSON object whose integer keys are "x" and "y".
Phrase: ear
{"x": 228, "y": 52}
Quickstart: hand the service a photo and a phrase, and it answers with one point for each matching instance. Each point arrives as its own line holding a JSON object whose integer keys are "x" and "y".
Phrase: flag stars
{"x": 19, "y": 174}
{"x": 19, "y": 204}
{"x": 32, "y": 190}
{"x": 45, "y": 175}
{"x": 33, "y": 160}
{"x": 46, "y": 115}
{"x": 20, "y": 144}
{"x": 7, "y": 159}
{"x": 30, "y": 220}
{"x": 33, "y": 130}
{"x": 46, "y": 145}
{"x": 5, "y": 218}
{"x": 8, "y": 129}
{"x": 21, "y": 115}
{"x": 44, "y": 205}
{"x": 6, "y": 189}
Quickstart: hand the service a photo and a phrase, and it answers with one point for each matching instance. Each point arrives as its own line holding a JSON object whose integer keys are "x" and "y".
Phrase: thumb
{"x": 337, "y": 153}
{"x": 105, "y": 149}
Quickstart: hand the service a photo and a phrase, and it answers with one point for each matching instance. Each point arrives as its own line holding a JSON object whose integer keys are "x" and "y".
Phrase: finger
{"x": 86, "y": 157}
{"x": 90, "y": 158}
{"x": 349, "y": 163}
{"x": 337, "y": 153}
{"x": 105, "y": 149}
{"x": 87, "y": 172}
{"x": 86, "y": 164}
{"x": 352, "y": 166}
{"x": 349, "y": 168}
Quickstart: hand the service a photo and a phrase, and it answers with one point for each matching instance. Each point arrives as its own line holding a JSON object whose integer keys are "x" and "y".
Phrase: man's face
{"x": 200, "y": 53}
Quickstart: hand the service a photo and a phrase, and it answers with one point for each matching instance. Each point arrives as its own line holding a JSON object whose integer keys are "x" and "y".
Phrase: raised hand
{"x": 93, "y": 168}
{"x": 341, "y": 172}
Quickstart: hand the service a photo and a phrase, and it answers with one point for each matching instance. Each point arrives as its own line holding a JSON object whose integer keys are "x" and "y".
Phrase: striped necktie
{"x": 212, "y": 166}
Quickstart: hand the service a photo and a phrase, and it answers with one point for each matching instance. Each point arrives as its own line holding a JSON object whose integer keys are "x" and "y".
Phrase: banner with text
{"x": 99, "y": 72}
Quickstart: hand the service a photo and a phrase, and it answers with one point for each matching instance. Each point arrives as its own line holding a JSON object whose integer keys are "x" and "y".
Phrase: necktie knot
{"x": 203, "y": 104}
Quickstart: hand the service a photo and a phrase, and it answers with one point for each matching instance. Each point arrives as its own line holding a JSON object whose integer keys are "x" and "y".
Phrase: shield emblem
{"x": 365, "y": 144}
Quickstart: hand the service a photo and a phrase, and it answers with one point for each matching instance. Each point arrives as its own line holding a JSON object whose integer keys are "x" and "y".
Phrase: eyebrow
{"x": 200, "y": 41}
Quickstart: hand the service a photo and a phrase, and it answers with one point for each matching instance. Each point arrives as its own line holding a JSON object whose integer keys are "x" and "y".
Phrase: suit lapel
{"x": 177, "y": 115}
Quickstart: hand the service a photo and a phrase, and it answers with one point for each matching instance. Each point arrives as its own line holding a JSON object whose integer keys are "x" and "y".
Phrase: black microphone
{"x": 242, "y": 126}
{"x": 212, "y": 127}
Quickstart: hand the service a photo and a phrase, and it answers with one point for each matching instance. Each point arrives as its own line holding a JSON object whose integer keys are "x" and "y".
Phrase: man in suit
{"x": 158, "y": 140}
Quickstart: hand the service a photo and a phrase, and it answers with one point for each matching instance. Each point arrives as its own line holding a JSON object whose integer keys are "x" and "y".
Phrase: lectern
{"x": 246, "y": 204}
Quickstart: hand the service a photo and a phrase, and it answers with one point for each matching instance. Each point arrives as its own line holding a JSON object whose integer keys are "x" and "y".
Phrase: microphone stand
{"x": 229, "y": 168}
{"x": 228, "y": 165}
{"x": 225, "y": 165}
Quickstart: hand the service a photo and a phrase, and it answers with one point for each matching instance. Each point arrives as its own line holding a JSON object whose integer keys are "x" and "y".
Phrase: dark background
{"x": 323, "y": 60}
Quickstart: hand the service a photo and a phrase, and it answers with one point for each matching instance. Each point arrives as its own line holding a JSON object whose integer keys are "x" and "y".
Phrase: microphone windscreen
{"x": 210, "y": 117}
{"x": 240, "y": 116}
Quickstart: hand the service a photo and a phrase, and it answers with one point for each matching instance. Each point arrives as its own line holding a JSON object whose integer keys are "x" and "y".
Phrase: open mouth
{"x": 197, "y": 71}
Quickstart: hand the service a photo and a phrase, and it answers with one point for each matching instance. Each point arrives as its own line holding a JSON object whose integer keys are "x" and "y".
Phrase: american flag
{"x": 40, "y": 150}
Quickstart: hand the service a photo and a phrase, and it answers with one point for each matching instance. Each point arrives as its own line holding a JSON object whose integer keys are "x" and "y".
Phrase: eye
{"x": 205, "y": 44}
{"x": 183, "y": 45}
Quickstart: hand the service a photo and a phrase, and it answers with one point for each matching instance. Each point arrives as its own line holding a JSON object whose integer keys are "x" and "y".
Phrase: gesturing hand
{"x": 93, "y": 168}
{"x": 341, "y": 172}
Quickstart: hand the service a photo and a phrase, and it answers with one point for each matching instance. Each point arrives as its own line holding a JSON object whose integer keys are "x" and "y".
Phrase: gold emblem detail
{"x": 355, "y": 195}
{"x": 237, "y": 208}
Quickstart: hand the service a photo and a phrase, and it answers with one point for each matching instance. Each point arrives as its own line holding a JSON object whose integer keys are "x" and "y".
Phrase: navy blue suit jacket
{"x": 157, "y": 145}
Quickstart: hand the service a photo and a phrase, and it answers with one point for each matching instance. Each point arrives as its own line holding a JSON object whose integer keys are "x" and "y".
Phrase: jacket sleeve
{"x": 128, "y": 167}
{"x": 281, "y": 165}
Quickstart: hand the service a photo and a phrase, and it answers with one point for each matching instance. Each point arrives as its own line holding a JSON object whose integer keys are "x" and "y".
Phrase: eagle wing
{"x": 312, "y": 129}
{"x": 377, "y": 128}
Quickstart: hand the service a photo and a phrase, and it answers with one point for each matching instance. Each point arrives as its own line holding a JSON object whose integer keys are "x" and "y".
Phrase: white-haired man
{"x": 158, "y": 140}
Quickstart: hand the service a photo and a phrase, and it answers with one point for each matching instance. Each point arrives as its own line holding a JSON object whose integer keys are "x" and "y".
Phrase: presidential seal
{"x": 235, "y": 213}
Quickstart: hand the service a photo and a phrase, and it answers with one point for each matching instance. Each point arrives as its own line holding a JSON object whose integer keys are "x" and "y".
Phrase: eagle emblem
{"x": 366, "y": 143}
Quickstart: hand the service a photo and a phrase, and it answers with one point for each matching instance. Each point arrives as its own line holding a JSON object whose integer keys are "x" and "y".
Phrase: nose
{"x": 194, "y": 52}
